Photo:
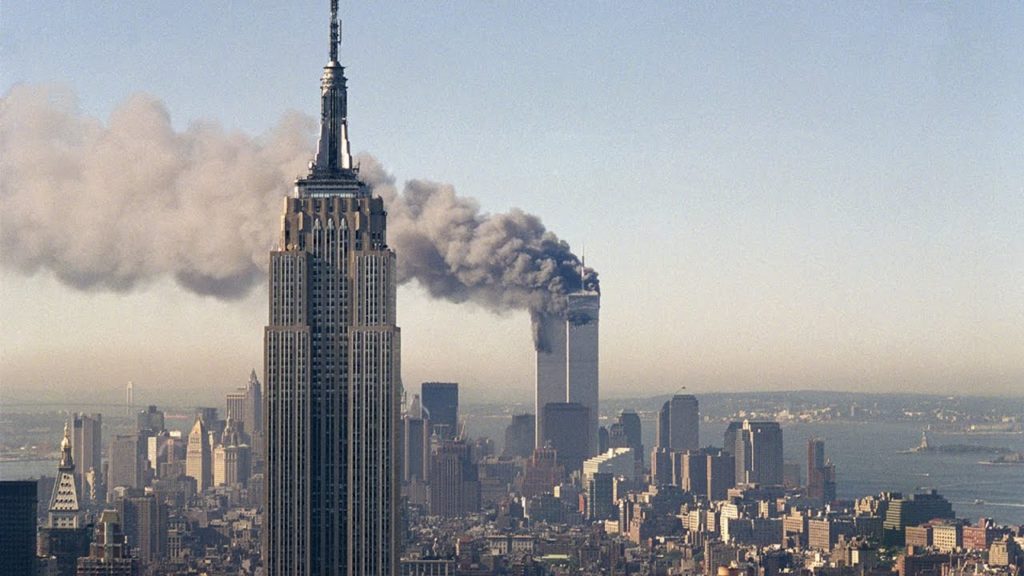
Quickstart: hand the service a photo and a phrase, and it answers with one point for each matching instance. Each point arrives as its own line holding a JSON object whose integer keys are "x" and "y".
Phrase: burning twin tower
{"x": 191, "y": 226}
{"x": 567, "y": 363}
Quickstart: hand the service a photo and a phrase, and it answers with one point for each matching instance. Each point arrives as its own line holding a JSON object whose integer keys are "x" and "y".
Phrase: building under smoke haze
{"x": 519, "y": 439}
{"x": 567, "y": 361}
{"x": 441, "y": 404}
{"x": 331, "y": 355}
{"x": 581, "y": 353}
{"x": 551, "y": 367}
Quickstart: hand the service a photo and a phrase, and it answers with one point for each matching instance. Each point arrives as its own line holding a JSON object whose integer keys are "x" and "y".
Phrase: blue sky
{"x": 807, "y": 196}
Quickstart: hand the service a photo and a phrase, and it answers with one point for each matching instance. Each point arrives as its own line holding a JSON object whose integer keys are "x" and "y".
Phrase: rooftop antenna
{"x": 583, "y": 266}
{"x": 335, "y": 31}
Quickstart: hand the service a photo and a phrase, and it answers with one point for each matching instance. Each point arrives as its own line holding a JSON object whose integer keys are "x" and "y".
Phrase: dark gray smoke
{"x": 112, "y": 207}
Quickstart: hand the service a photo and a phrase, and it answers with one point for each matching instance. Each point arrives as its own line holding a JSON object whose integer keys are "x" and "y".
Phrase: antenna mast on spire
{"x": 583, "y": 268}
{"x": 335, "y": 31}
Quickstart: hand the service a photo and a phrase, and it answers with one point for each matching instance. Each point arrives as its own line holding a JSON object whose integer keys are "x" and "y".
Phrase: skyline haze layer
{"x": 819, "y": 197}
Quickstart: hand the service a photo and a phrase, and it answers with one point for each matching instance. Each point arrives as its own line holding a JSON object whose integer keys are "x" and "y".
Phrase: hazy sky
{"x": 815, "y": 196}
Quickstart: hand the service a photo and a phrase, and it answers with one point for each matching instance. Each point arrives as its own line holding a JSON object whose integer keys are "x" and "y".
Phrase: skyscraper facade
{"x": 415, "y": 443}
{"x": 821, "y": 474}
{"x": 150, "y": 421}
{"x": 721, "y": 468}
{"x": 441, "y": 404}
{"x": 582, "y": 359}
{"x": 125, "y": 466}
{"x": 109, "y": 555}
{"x": 454, "y": 483}
{"x": 626, "y": 432}
{"x": 759, "y": 453}
{"x": 519, "y": 439}
{"x": 144, "y": 523}
{"x": 568, "y": 360}
{"x": 565, "y": 420}
{"x": 199, "y": 456}
{"x": 551, "y": 367}
{"x": 18, "y": 526}
{"x": 679, "y": 423}
{"x": 331, "y": 360}
{"x": 245, "y": 409}
{"x": 86, "y": 450}
{"x": 732, "y": 434}
{"x": 64, "y": 537}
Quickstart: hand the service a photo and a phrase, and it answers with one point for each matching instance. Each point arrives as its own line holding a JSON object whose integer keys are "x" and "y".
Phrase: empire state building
{"x": 331, "y": 361}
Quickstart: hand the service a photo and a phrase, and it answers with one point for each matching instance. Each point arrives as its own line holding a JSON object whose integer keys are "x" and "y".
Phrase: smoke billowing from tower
{"x": 199, "y": 206}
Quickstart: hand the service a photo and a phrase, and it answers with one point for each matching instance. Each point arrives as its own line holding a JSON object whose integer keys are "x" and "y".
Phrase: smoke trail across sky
{"x": 113, "y": 206}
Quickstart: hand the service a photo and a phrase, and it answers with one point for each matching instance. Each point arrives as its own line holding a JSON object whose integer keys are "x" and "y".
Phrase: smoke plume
{"x": 114, "y": 206}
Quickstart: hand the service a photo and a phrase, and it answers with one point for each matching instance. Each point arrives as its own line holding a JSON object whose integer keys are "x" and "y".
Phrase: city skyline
{"x": 859, "y": 235}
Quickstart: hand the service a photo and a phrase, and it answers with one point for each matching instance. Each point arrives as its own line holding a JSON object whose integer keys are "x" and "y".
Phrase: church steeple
{"x": 333, "y": 157}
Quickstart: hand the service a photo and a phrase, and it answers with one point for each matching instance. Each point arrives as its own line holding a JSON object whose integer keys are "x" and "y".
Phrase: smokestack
{"x": 199, "y": 206}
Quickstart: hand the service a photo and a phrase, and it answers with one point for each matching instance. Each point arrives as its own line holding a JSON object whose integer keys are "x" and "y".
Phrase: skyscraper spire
{"x": 335, "y": 37}
{"x": 333, "y": 158}
{"x": 64, "y": 507}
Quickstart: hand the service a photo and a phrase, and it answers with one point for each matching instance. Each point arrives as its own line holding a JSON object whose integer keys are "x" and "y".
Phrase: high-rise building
{"x": 551, "y": 367}
{"x": 564, "y": 420}
{"x": 160, "y": 450}
{"x": 732, "y": 434}
{"x": 65, "y": 538}
{"x": 65, "y": 510}
{"x": 601, "y": 496}
{"x": 913, "y": 510}
{"x": 721, "y": 467}
{"x": 691, "y": 470}
{"x": 125, "y": 466}
{"x": 441, "y": 406}
{"x": 331, "y": 365}
{"x": 150, "y": 421}
{"x": 581, "y": 348}
{"x": 454, "y": 483}
{"x": 245, "y": 408}
{"x": 519, "y": 440}
{"x": 567, "y": 361}
{"x": 821, "y": 474}
{"x": 619, "y": 462}
{"x": 232, "y": 458}
{"x": 415, "y": 443}
{"x": 18, "y": 527}
{"x": 626, "y": 432}
{"x": 199, "y": 456}
{"x": 212, "y": 421}
{"x": 87, "y": 449}
{"x": 661, "y": 466}
{"x": 679, "y": 424}
{"x": 759, "y": 453}
{"x": 144, "y": 523}
{"x": 542, "y": 473}
{"x": 108, "y": 553}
